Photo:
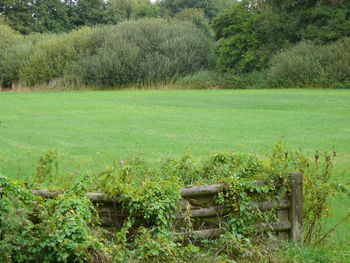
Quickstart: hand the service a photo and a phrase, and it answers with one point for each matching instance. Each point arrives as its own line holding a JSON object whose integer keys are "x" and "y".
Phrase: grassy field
{"x": 90, "y": 129}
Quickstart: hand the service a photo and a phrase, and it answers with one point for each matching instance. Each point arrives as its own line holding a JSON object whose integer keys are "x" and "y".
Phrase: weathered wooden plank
{"x": 94, "y": 197}
{"x": 275, "y": 226}
{"x": 212, "y": 189}
{"x": 102, "y": 198}
{"x": 202, "y": 190}
{"x": 185, "y": 192}
{"x": 220, "y": 210}
{"x": 204, "y": 212}
{"x": 215, "y": 232}
{"x": 296, "y": 211}
{"x": 207, "y": 233}
{"x": 46, "y": 193}
{"x": 283, "y": 215}
{"x": 268, "y": 205}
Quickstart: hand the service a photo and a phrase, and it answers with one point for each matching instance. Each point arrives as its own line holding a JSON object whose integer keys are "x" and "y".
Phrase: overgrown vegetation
{"x": 144, "y": 51}
{"x": 64, "y": 229}
{"x": 259, "y": 44}
{"x": 250, "y": 32}
{"x": 326, "y": 66}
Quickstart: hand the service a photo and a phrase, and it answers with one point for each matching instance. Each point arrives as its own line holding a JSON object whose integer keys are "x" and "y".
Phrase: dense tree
{"x": 51, "y": 16}
{"x": 64, "y": 15}
{"x": 120, "y": 10}
{"x": 251, "y": 31}
{"x": 88, "y": 12}
{"x": 239, "y": 42}
{"x": 144, "y": 8}
{"x": 19, "y": 14}
{"x": 321, "y": 21}
{"x": 211, "y": 7}
{"x": 197, "y": 17}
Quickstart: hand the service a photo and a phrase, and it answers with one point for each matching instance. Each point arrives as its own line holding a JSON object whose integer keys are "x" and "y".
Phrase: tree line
{"x": 57, "y": 16}
{"x": 247, "y": 42}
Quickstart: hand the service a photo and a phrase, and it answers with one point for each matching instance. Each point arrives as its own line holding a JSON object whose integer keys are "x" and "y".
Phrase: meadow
{"x": 91, "y": 129}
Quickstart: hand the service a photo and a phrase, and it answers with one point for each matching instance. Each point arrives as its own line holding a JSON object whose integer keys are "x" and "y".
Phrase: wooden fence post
{"x": 296, "y": 212}
{"x": 283, "y": 216}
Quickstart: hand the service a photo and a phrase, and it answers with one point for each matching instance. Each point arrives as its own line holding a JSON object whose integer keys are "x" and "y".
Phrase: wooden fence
{"x": 198, "y": 204}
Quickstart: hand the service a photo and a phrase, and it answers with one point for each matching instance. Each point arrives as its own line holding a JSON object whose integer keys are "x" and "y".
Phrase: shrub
{"x": 143, "y": 51}
{"x": 327, "y": 65}
{"x": 59, "y": 232}
{"x": 14, "y": 57}
{"x": 146, "y": 50}
{"x": 54, "y": 56}
{"x": 8, "y": 38}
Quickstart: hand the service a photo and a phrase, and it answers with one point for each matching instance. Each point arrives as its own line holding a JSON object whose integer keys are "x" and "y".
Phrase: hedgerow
{"x": 308, "y": 63}
{"x": 143, "y": 51}
{"x": 146, "y": 51}
{"x": 66, "y": 229}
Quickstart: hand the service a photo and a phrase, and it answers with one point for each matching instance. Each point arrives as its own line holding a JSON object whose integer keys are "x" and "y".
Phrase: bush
{"x": 141, "y": 51}
{"x": 327, "y": 65}
{"x": 14, "y": 56}
{"x": 144, "y": 51}
{"x": 54, "y": 56}
{"x": 8, "y": 37}
{"x": 59, "y": 232}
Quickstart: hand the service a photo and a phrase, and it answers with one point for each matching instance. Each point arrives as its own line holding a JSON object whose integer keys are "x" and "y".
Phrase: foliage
{"x": 37, "y": 16}
{"x": 47, "y": 169}
{"x": 250, "y": 32}
{"x": 316, "y": 195}
{"x": 52, "y": 15}
{"x": 63, "y": 229}
{"x": 212, "y": 79}
{"x": 8, "y": 38}
{"x": 196, "y": 16}
{"x": 42, "y": 58}
{"x": 53, "y": 57}
{"x": 211, "y": 8}
{"x": 319, "y": 21}
{"x": 133, "y": 52}
{"x": 120, "y": 10}
{"x": 306, "y": 62}
{"x": 52, "y": 231}
{"x": 146, "y": 51}
{"x": 238, "y": 41}
{"x": 14, "y": 56}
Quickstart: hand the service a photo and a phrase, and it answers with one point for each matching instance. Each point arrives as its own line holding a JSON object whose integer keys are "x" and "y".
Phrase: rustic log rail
{"x": 198, "y": 203}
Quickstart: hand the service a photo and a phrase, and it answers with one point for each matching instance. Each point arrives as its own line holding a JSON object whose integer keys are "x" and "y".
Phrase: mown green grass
{"x": 90, "y": 129}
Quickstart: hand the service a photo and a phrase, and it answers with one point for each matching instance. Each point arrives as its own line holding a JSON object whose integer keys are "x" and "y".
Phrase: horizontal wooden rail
{"x": 215, "y": 232}
{"x": 198, "y": 202}
{"x": 212, "y": 189}
{"x": 94, "y": 197}
{"x": 220, "y": 210}
{"x": 185, "y": 192}
{"x": 202, "y": 190}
